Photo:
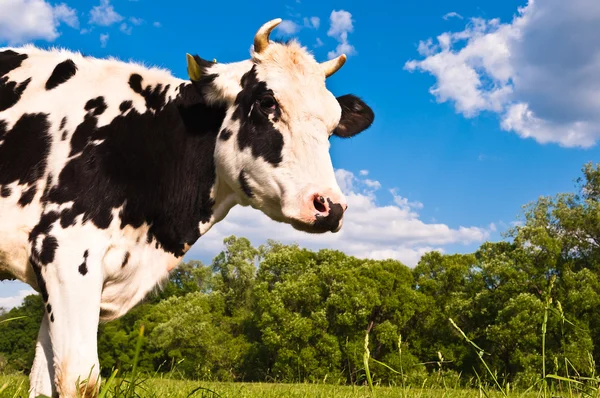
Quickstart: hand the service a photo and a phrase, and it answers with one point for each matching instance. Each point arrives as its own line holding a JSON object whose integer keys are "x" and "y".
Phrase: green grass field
{"x": 16, "y": 386}
{"x": 137, "y": 385}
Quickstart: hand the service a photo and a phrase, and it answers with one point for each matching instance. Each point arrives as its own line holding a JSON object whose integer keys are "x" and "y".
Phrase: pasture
{"x": 17, "y": 385}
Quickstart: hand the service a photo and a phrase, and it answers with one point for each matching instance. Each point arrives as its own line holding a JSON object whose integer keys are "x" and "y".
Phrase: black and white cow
{"x": 110, "y": 171}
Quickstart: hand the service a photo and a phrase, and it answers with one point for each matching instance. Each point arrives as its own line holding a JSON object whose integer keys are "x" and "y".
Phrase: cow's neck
{"x": 216, "y": 197}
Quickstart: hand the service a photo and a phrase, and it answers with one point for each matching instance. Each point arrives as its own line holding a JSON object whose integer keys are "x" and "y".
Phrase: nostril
{"x": 319, "y": 203}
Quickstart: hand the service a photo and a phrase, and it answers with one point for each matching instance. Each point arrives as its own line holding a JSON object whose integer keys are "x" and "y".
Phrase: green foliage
{"x": 18, "y": 336}
{"x": 283, "y": 313}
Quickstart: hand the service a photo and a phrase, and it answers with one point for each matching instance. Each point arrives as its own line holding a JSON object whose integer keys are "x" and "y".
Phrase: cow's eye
{"x": 268, "y": 104}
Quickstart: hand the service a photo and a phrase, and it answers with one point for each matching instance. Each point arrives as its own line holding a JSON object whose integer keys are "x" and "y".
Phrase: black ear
{"x": 356, "y": 116}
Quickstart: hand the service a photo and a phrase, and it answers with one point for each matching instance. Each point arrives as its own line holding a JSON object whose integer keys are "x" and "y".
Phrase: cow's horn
{"x": 261, "y": 39}
{"x": 333, "y": 65}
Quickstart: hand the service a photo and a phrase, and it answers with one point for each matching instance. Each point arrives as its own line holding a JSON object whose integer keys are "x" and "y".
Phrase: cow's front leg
{"x": 41, "y": 379}
{"x": 70, "y": 279}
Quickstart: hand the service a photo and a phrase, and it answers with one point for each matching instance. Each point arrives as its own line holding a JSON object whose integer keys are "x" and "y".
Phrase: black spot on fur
{"x": 97, "y": 105}
{"x": 44, "y": 197}
{"x": 157, "y": 165}
{"x": 25, "y": 150}
{"x": 10, "y": 92}
{"x": 5, "y": 192}
{"x": 83, "y": 267}
{"x": 49, "y": 308}
{"x": 10, "y": 60}
{"x": 225, "y": 134}
{"x": 64, "y": 135}
{"x": 242, "y": 179}
{"x": 156, "y": 97}
{"x": 63, "y": 122}
{"x": 52, "y": 318}
{"x": 37, "y": 270}
{"x": 332, "y": 220}
{"x": 49, "y": 246}
{"x": 43, "y": 226}
{"x": 67, "y": 218}
{"x": 61, "y": 73}
{"x": 27, "y": 196}
{"x": 135, "y": 82}
{"x": 85, "y": 132}
{"x": 256, "y": 129}
{"x": 125, "y": 260}
{"x": 125, "y": 106}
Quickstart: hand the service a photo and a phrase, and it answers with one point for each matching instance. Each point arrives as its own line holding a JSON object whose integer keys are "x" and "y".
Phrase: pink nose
{"x": 328, "y": 211}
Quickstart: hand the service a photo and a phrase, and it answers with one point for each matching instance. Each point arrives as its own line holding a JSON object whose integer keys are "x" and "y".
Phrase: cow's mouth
{"x": 320, "y": 225}
{"x": 312, "y": 228}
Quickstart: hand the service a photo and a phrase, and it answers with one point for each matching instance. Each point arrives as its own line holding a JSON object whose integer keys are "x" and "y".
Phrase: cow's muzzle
{"x": 323, "y": 213}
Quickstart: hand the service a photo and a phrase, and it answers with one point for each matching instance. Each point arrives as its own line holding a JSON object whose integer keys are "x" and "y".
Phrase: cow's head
{"x": 273, "y": 148}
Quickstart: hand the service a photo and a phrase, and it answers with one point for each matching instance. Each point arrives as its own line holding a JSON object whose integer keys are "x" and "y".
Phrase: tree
{"x": 235, "y": 269}
{"x": 313, "y": 309}
{"x": 18, "y": 336}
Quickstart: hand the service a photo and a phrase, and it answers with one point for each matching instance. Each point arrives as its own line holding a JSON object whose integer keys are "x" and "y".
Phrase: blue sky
{"x": 435, "y": 160}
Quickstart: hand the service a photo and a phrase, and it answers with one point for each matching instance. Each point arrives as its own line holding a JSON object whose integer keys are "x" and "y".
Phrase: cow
{"x": 110, "y": 171}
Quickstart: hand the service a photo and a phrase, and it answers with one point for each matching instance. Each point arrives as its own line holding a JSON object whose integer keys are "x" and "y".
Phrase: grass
{"x": 156, "y": 387}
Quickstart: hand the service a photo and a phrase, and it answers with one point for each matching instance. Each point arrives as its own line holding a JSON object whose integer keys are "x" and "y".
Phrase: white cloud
{"x": 345, "y": 180}
{"x": 104, "y": 14}
{"x": 136, "y": 21}
{"x": 156, "y": 24}
{"x": 9, "y": 302}
{"x": 370, "y": 230}
{"x": 342, "y": 48}
{"x": 452, "y": 15}
{"x": 126, "y": 28}
{"x": 288, "y": 27}
{"x": 104, "y": 39}
{"x": 364, "y": 172}
{"x": 25, "y": 20}
{"x": 540, "y": 72}
{"x": 312, "y": 22}
{"x": 64, "y": 13}
{"x": 373, "y": 184}
{"x": 341, "y": 24}
{"x": 403, "y": 202}
{"x": 319, "y": 43}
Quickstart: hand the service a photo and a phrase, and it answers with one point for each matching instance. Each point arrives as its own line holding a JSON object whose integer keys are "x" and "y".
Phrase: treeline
{"x": 282, "y": 313}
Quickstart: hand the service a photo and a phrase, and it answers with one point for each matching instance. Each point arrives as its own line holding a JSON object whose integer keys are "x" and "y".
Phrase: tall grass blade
{"x": 138, "y": 348}
{"x": 108, "y": 384}
{"x": 366, "y": 356}
{"x": 12, "y": 319}
{"x": 480, "y": 353}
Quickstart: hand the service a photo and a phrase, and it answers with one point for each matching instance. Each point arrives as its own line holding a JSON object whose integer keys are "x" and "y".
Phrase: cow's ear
{"x": 356, "y": 116}
{"x": 196, "y": 66}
